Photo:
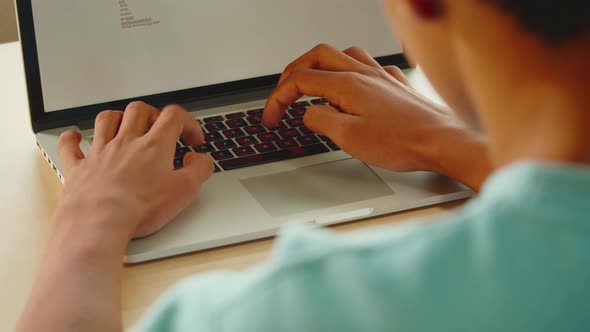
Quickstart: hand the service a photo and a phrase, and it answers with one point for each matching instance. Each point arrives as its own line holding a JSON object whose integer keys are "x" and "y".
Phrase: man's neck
{"x": 546, "y": 122}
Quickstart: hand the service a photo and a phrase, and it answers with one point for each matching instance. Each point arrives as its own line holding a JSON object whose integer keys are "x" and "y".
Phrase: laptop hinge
{"x": 205, "y": 103}
{"x": 228, "y": 99}
{"x": 85, "y": 124}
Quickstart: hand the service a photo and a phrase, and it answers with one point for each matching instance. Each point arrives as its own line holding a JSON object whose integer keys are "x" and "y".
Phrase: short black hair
{"x": 555, "y": 21}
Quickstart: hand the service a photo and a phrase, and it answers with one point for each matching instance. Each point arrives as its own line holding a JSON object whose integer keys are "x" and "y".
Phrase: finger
{"x": 175, "y": 122}
{"x": 69, "y": 149}
{"x": 362, "y": 56}
{"x": 324, "y": 57}
{"x": 106, "y": 127}
{"x": 330, "y": 85}
{"x": 137, "y": 119}
{"x": 398, "y": 74}
{"x": 327, "y": 121}
{"x": 198, "y": 167}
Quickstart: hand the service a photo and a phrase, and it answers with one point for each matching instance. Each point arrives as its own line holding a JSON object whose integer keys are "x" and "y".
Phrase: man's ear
{"x": 427, "y": 9}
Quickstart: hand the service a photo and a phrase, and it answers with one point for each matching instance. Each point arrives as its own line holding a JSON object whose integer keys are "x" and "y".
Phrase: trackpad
{"x": 316, "y": 187}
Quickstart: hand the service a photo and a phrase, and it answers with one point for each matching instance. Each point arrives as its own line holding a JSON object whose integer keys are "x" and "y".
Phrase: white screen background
{"x": 87, "y": 55}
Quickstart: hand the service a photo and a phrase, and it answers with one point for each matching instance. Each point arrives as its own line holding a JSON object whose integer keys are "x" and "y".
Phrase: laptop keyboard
{"x": 238, "y": 140}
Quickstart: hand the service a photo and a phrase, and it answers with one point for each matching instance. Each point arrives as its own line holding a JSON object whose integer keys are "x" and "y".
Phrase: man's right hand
{"x": 383, "y": 122}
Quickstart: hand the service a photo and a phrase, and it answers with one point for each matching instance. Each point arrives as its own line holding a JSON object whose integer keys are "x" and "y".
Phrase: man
{"x": 515, "y": 258}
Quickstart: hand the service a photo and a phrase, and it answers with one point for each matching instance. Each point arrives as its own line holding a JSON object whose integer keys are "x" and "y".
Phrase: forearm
{"x": 78, "y": 287}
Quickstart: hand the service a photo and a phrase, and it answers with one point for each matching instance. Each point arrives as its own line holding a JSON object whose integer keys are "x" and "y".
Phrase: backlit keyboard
{"x": 238, "y": 140}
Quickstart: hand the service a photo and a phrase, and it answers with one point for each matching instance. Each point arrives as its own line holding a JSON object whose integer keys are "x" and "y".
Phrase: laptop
{"x": 220, "y": 60}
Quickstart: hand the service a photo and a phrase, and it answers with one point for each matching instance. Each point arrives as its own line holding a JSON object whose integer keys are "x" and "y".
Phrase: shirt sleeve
{"x": 301, "y": 288}
{"x": 189, "y": 306}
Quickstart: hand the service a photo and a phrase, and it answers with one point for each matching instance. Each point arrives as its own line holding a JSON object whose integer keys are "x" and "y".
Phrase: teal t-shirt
{"x": 516, "y": 258}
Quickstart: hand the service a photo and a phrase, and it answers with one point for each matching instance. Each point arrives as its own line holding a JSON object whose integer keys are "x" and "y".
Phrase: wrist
{"x": 460, "y": 154}
{"x": 110, "y": 210}
{"x": 92, "y": 233}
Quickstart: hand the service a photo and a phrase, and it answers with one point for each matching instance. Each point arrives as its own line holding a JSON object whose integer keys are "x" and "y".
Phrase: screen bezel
{"x": 41, "y": 120}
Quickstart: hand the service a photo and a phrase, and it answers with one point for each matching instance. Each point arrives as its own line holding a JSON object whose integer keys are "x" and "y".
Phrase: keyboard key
{"x": 236, "y": 123}
{"x": 181, "y": 152}
{"x": 289, "y": 133}
{"x": 233, "y": 133}
{"x": 178, "y": 163}
{"x": 213, "y": 137}
{"x": 253, "y": 130}
{"x": 265, "y": 147}
{"x": 213, "y": 119}
{"x": 244, "y": 151}
{"x": 217, "y": 169}
{"x": 255, "y": 119}
{"x": 307, "y": 140}
{"x": 274, "y": 156}
{"x": 233, "y": 116}
{"x": 285, "y": 116}
{"x": 245, "y": 141}
{"x": 297, "y": 112}
{"x": 268, "y": 137}
{"x": 287, "y": 144}
{"x": 215, "y": 127}
{"x": 257, "y": 112}
{"x": 280, "y": 126}
{"x": 301, "y": 104}
{"x": 295, "y": 122}
{"x": 205, "y": 148}
{"x": 333, "y": 146}
{"x": 319, "y": 101}
{"x": 324, "y": 138}
{"x": 222, "y": 155}
{"x": 306, "y": 131}
{"x": 224, "y": 145}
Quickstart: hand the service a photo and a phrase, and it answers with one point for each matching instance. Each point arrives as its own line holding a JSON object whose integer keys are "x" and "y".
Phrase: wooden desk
{"x": 29, "y": 193}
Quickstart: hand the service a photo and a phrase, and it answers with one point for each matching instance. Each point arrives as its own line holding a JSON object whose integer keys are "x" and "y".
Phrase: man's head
{"x": 556, "y": 22}
{"x": 471, "y": 49}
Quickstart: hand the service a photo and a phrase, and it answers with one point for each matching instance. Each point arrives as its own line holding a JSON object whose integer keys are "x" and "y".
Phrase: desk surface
{"x": 29, "y": 193}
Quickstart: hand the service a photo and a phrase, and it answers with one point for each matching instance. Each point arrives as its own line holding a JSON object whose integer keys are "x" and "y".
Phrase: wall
{"x": 7, "y": 21}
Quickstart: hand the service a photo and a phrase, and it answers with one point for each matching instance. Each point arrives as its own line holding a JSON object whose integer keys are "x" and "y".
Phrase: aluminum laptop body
{"x": 217, "y": 58}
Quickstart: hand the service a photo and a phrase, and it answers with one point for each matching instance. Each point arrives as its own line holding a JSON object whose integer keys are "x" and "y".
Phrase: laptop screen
{"x": 99, "y": 51}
